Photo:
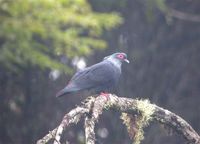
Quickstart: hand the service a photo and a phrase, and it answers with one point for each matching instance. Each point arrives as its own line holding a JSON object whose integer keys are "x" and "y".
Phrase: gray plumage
{"x": 99, "y": 77}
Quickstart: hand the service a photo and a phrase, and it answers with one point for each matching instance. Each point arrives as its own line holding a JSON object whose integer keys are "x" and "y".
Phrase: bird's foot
{"x": 106, "y": 95}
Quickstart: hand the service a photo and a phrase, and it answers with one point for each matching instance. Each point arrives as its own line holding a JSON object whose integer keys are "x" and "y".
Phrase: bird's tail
{"x": 65, "y": 91}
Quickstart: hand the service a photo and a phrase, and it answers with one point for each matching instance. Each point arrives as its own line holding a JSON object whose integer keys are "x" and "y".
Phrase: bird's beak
{"x": 126, "y": 60}
{"x": 105, "y": 57}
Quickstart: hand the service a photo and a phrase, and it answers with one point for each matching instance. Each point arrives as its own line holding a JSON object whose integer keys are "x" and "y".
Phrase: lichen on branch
{"x": 136, "y": 114}
{"x": 136, "y": 123}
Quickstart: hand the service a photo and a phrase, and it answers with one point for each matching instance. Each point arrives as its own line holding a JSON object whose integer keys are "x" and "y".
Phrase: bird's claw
{"x": 106, "y": 95}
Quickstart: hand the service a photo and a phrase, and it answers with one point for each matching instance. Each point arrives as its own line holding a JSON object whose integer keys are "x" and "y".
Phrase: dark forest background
{"x": 42, "y": 41}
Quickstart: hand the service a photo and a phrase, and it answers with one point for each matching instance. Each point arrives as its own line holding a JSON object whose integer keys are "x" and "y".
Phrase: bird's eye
{"x": 120, "y": 56}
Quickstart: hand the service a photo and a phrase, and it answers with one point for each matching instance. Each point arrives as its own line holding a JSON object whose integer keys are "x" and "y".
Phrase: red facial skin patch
{"x": 120, "y": 56}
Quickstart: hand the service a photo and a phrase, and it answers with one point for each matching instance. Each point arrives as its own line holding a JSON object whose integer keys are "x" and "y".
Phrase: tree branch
{"x": 91, "y": 120}
{"x": 177, "y": 123}
{"x": 171, "y": 12}
{"x": 72, "y": 117}
{"x": 182, "y": 15}
{"x": 142, "y": 112}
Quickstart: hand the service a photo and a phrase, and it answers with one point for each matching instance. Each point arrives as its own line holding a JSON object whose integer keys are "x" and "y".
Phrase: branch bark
{"x": 93, "y": 108}
{"x": 182, "y": 15}
{"x": 91, "y": 120}
{"x": 171, "y": 12}
{"x": 72, "y": 117}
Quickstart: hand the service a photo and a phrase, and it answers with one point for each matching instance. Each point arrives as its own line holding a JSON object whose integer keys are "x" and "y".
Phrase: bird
{"x": 100, "y": 77}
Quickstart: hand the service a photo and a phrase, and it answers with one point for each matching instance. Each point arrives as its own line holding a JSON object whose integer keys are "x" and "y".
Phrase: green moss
{"x": 136, "y": 124}
{"x": 146, "y": 109}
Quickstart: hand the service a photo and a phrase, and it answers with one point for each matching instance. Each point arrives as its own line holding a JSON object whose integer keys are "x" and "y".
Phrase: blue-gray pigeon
{"x": 100, "y": 77}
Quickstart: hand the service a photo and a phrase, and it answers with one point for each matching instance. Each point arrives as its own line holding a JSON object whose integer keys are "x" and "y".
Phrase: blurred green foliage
{"x": 37, "y": 32}
{"x": 160, "y": 4}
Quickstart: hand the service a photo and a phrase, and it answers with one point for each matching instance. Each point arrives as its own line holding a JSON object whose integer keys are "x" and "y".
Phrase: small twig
{"x": 182, "y": 15}
{"x": 48, "y": 137}
{"x": 171, "y": 12}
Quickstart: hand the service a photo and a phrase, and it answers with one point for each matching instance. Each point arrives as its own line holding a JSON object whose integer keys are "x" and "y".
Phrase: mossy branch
{"x": 136, "y": 114}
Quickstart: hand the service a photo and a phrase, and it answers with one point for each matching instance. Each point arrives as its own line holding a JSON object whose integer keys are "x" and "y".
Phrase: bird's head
{"x": 117, "y": 57}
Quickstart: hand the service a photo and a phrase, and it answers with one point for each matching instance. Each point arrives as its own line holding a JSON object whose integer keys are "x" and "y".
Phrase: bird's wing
{"x": 95, "y": 75}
